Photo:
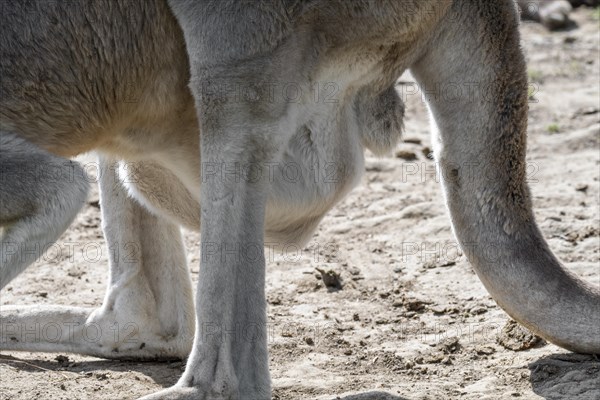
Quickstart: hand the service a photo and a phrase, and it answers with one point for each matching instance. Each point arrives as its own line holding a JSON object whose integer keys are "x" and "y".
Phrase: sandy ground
{"x": 411, "y": 320}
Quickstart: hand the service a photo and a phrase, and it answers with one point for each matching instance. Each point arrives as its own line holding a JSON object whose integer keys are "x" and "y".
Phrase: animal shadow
{"x": 566, "y": 376}
{"x": 371, "y": 396}
{"x": 163, "y": 373}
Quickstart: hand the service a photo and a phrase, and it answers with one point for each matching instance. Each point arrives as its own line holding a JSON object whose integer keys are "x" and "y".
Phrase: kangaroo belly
{"x": 322, "y": 162}
{"x": 80, "y": 72}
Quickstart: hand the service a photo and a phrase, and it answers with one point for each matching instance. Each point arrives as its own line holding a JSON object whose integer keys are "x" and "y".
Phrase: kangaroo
{"x": 41, "y": 195}
{"x": 195, "y": 109}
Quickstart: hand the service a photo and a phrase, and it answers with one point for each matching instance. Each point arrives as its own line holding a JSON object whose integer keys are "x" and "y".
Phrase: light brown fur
{"x": 142, "y": 82}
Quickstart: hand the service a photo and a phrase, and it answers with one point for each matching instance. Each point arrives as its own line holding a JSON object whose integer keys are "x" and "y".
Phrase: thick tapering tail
{"x": 474, "y": 75}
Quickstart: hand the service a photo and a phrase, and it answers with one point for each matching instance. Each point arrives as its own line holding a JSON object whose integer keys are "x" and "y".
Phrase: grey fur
{"x": 40, "y": 196}
{"x": 144, "y": 81}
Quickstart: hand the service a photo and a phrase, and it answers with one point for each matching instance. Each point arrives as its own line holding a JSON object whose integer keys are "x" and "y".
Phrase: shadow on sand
{"x": 163, "y": 373}
{"x": 566, "y": 376}
{"x": 371, "y": 396}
